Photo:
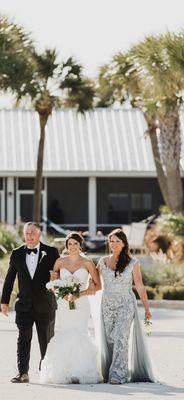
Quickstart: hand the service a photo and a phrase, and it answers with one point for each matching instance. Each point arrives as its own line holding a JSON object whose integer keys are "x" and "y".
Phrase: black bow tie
{"x": 29, "y": 251}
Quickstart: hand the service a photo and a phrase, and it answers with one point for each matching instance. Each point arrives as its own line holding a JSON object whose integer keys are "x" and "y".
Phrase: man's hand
{"x": 5, "y": 309}
{"x": 54, "y": 275}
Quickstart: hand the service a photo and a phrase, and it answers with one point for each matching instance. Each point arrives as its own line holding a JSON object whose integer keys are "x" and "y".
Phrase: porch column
{"x": 92, "y": 205}
{"x": 10, "y": 200}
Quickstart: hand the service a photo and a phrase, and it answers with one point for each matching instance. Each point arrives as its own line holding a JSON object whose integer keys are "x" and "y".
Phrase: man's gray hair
{"x": 32, "y": 223}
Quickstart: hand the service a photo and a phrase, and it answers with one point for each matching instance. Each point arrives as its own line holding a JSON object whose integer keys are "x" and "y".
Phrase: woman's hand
{"x": 70, "y": 297}
{"x": 147, "y": 314}
{"x": 54, "y": 275}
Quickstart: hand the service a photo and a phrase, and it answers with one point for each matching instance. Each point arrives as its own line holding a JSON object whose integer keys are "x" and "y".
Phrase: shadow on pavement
{"x": 127, "y": 389}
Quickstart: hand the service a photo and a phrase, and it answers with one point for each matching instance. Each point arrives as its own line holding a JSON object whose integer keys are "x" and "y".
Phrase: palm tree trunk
{"x": 170, "y": 147}
{"x": 38, "y": 178}
{"x": 162, "y": 181}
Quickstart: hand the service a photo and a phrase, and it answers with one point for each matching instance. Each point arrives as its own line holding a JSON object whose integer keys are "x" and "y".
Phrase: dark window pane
{"x": 26, "y": 207}
{"x": 1, "y": 183}
{"x": 68, "y": 200}
{"x": 123, "y": 201}
{"x": 147, "y": 201}
{"x": 136, "y": 201}
{"x": 118, "y": 201}
{"x": 27, "y": 183}
{"x": 118, "y": 205}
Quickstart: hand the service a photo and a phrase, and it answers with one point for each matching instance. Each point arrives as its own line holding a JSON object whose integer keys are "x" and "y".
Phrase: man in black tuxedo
{"x": 34, "y": 304}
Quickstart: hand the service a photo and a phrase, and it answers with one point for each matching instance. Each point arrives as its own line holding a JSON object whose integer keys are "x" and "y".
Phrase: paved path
{"x": 166, "y": 347}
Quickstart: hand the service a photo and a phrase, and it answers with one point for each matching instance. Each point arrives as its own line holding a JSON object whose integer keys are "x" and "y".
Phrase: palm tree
{"x": 16, "y": 61}
{"x": 44, "y": 80}
{"x": 58, "y": 84}
{"x": 122, "y": 81}
{"x": 147, "y": 77}
{"x": 154, "y": 57}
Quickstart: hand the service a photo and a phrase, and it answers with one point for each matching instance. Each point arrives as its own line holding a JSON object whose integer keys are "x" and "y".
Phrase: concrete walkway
{"x": 166, "y": 347}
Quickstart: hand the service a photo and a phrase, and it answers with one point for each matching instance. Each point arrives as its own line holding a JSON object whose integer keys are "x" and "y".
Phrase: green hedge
{"x": 172, "y": 293}
{"x": 163, "y": 293}
{"x": 151, "y": 292}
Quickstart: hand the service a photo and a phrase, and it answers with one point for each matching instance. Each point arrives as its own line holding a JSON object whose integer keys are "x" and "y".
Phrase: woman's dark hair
{"x": 124, "y": 256}
{"x": 76, "y": 236}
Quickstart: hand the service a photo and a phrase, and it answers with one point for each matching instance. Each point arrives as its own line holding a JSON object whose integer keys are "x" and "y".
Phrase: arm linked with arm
{"x": 95, "y": 282}
{"x": 54, "y": 273}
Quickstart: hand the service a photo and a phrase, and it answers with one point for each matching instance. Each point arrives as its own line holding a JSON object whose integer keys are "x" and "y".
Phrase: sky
{"x": 93, "y": 30}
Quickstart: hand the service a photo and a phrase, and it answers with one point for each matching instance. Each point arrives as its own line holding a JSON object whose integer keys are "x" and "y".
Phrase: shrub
{"x": 159, "y": 274}
{"x": 151, "y": 292}
{"x": 8, "y": 239}
{"x": 150, "y": 278}
{"x": 173, "y": 221}
{"x": 172, "y": 293}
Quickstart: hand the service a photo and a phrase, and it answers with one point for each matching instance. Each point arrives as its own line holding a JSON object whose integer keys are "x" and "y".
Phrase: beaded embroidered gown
{"x": 119, "y": 309}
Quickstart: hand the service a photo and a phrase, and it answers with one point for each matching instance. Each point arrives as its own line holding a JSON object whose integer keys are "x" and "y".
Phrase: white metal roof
{"x": 103, "y": 142}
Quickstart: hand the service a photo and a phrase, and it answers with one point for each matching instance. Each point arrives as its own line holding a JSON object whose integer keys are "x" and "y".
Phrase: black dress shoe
{"x": 20, "y": 378}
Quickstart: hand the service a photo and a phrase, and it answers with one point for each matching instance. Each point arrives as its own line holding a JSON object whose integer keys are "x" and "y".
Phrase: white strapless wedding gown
{"x": 72, "y": 354}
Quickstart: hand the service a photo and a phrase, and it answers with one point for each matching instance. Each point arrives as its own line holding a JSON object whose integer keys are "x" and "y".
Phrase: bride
{"x": 72, "y": 356}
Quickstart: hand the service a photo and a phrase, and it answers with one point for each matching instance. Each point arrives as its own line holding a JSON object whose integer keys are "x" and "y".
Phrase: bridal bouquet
{"x": 147, "y": 324}
{"x": 65, "y": 287}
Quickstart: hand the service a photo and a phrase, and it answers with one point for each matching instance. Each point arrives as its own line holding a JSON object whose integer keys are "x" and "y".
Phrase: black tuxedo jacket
{"x": 32, "y": 293}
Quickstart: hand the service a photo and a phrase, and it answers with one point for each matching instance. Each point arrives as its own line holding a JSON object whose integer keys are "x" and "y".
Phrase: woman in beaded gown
{"x": 119, "y": 309}
{"x": 72, "y": 356}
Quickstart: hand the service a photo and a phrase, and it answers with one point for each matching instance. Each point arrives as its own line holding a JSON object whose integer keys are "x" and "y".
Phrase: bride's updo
{"x": 76, "y": 236}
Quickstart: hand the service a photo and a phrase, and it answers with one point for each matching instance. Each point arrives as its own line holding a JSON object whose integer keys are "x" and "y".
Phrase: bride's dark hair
{"x": 76, "y": 236}
{"x": 124, "y": 257}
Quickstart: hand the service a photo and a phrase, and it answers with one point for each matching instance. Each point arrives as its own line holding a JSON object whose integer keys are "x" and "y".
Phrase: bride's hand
{"x": 69, "y": 297}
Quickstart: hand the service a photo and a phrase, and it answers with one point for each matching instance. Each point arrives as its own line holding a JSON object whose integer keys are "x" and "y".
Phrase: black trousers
{"x": 45, "y": 330}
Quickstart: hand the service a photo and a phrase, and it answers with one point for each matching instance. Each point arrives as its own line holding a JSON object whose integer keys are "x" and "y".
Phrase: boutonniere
{"x": 43, "y": 254}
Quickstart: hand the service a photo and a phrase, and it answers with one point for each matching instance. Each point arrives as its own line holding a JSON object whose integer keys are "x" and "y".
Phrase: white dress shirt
{"x": 32, "y": 261}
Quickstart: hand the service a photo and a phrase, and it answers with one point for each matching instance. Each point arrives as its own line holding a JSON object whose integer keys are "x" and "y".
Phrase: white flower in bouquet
{"x": 50, "y": 285}
{"x": 70, "y": 282}
{"x": 147, "y": 324}
{"x": 65, "y": 287}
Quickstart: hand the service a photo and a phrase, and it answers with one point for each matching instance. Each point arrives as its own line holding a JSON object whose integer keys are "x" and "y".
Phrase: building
{"x": 98, "y": 170}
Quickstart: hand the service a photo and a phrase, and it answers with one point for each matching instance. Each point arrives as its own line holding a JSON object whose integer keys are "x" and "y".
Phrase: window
{"x": 147, "y": 201}
{"x": 136, "y": 201}
{"x": 126, "y": 207}
{"x": 141, "y": 201}
{"x": 27, "y": 184}
{"x": 118, "y": 208}
{"x": 26, "y": 206}
{"x": 118, "y": 201}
